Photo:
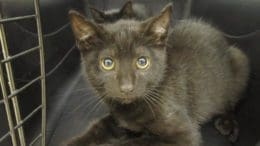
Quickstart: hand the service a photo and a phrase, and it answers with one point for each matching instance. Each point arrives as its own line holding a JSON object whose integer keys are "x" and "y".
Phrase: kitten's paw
{"x": 227, "y": 126}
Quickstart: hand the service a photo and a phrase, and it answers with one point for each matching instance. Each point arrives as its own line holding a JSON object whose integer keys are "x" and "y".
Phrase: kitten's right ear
{"x": 97, "y": 15}
{"x": 85, "y": 31}
{"x": 157, "y": 27}
{"x": 127, "y": 9}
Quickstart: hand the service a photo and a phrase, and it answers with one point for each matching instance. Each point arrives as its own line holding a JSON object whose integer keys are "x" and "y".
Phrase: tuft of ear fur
{"x": 85, "y": 31}
{"x": 157, "y": 27}
{"x": 127, "y": 9}
{"x": 97, "y": 15}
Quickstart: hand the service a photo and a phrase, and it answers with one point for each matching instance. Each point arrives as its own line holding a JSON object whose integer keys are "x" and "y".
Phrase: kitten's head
{"x": 126, "y": 12}
{"x": 125, "y": 60}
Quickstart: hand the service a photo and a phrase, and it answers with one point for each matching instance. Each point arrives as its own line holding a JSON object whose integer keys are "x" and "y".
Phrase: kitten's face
{"x": 125, "y": 73}
{"x": 126, "y": 12}
{"x": 124, "y": 61}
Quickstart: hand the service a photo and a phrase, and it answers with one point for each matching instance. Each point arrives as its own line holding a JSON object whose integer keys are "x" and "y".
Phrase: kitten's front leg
{"x": 168, "y": 133}
{"x": 177, "y": 129}
{"x": 180, "y": 139}
{"x": 99, "y": 133}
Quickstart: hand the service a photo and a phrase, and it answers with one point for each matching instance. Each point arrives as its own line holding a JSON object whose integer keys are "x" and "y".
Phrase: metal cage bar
{"x": 11, "y": 83}
{"x": 7, "y": 109}
{"x": 6, "y": 61}
{"x": 35, "y": 139}
{"x": 20, "y": 54}
{"x": 42, "y": 62}
{"x": 17, "y": 91}
{"x": 16, "y": 18}
{"x": 28, "y": 117}
{"x": 5, "y": 136}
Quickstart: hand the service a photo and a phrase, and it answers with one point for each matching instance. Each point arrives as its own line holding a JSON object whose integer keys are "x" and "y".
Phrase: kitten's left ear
{"x": 157, "y": 27}
{"x": 127, "y": 10}
{"x": 86, "y": 32}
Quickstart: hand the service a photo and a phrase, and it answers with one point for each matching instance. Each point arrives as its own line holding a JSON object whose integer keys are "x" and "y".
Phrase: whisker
{"x": 153, "y": 101}
{"x": 158, "y": 93}
{"x": 87, "y": 102}
{"x": 86, "y": 95}
{"x": 96, "y": 105}
{"x": 157, "y": 103}
{"x": 88, "y": 90}
{"x": 149, "y": 106}
{"x": 157, "y": 97}
{"x": 62, "y": 94}
{"x": 152, "y": 93}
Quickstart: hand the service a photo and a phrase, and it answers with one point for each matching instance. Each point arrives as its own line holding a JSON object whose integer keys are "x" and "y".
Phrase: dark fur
{"x": 128, "y": 11}
{"x": 194, "y": 75}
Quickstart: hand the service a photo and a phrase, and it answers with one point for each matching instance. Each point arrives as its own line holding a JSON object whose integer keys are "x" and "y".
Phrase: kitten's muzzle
{"x": 127, "y": 88}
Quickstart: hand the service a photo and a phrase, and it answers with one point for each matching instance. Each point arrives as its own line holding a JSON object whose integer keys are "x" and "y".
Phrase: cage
{"x": 10, "y": 94}
{"x": 46, "y": 108}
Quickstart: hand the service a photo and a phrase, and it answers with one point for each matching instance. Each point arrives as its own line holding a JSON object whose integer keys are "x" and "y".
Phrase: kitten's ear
{"x": 85, "y": 32}
{"x": 97, "y": 15}
{"x": 157, "y": 27}
{"x": 127, "y": 10}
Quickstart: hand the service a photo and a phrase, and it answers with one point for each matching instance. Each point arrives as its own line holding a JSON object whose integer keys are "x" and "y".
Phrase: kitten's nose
{"x": 126, "y": 88}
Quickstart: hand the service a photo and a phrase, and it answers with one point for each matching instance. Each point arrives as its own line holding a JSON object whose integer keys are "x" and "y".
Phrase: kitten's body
{"x": 212, "y": 72}
{"x": 194, "y": 76}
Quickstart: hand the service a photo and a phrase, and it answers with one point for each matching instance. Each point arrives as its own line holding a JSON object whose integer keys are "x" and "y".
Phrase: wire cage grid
{"x": 6, "y": 64}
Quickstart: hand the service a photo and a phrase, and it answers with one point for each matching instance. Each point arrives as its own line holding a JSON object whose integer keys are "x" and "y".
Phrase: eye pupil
{"x": 108, "y": 62}
{"x": 142, "y": 61}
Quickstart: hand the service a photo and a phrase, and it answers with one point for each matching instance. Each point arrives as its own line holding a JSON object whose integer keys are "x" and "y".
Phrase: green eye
{"x": 142, "y": 62}
{"x": 107, "y": 63}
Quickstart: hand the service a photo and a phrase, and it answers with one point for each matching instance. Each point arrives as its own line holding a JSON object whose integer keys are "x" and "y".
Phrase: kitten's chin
{"x": 126, "y": 100}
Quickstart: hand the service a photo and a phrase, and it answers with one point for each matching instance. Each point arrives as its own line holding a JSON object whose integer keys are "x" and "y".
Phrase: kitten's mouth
{"x": 126, "y": 99}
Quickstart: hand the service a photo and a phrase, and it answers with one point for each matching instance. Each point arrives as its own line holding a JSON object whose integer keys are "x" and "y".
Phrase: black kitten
{"x": 128, "y": 11}
{"x": 159, "y": 84}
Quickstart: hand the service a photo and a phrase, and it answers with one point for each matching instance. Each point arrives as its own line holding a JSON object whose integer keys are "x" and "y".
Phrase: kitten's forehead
{"x": 126, "y": 54}
{"x": 125, "y": 34}
{"x": 123, "y": 25}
